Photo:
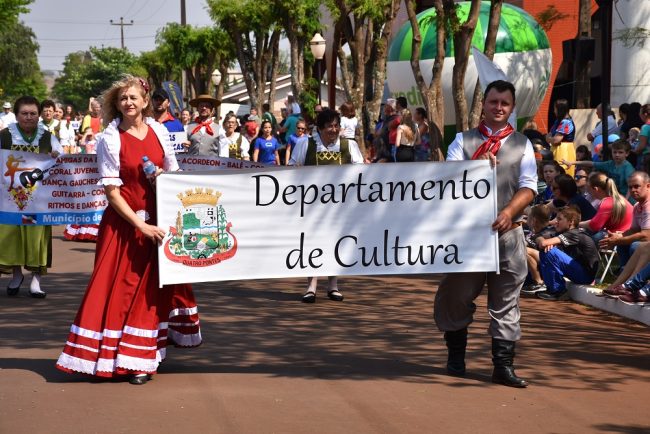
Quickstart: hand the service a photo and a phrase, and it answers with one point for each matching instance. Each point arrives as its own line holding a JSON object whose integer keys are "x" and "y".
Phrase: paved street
{"x": 372, "y": 364}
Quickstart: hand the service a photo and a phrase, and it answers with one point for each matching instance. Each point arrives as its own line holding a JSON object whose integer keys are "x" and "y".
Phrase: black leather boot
{"x": 503, "y": 355}
{"x": 456, "y": 344}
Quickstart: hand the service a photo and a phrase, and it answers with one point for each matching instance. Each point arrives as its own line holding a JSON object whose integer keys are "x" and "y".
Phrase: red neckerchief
{"x": 206, "y": 124}
{"x": 493, "y": 142}
{"x": 168, "y": 117}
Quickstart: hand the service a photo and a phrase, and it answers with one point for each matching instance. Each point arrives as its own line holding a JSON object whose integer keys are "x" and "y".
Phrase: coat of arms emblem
{"x": 202, "y": 234}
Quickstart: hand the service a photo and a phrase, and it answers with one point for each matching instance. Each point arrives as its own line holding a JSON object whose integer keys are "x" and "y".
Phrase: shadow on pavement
{"x": 383, "y": 329}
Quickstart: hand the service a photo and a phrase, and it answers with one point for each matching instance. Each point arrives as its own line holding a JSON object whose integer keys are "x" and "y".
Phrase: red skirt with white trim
{"x": 125, "y": 321}
{"x": 81, "y": 232}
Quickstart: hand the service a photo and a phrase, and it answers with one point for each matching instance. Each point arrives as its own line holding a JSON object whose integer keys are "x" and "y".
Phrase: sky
{"x": 66, "y": 26}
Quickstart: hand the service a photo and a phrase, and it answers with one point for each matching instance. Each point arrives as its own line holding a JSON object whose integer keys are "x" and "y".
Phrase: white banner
{"x": 177, "y": 139}
{"x": 332, "y": 220}
{"x": 37, "y": 189}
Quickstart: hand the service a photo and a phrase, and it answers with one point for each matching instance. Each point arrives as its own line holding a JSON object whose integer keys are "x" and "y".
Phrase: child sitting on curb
{"x": 572, "y": 253}
{"x": 538, "y": 222}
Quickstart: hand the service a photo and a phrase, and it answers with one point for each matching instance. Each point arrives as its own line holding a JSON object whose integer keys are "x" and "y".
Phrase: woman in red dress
{"x": 125, "y": 320}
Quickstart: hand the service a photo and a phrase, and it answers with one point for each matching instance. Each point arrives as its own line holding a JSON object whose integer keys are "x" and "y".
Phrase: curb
{"x": 590, "y": 296}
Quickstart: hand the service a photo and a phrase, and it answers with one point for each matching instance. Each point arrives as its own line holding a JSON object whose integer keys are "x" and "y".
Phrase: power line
{"x": 95, "y": 39}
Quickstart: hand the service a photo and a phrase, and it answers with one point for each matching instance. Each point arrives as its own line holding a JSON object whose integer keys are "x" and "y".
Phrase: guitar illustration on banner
{"x": 22, "y": 189}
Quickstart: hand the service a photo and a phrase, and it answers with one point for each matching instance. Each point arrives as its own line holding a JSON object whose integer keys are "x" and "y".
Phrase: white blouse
{"x": 108, "y": 151}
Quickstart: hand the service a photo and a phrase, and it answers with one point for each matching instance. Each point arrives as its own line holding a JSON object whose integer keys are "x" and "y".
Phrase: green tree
{"x": 366, "y": 26}
{"x": 198, "y": 51}
{"x": 11, "y": 9}
{"x": 20, "y": 73}
{"x": 432, "y": 94}
{"x": 300, "y": 21}
{"x": 253, "y": 28}
{"x": 462, "y": 36}
{"x": 88, "y": 74}
{"x": 490, "y": 48}
{"x": 157, "y": 69}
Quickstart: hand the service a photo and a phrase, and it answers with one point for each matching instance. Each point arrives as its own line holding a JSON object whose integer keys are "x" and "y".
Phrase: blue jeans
{"x": 598, "y": 236}
{"x": 626, "y": 251}
{"x": 639, "y": 280}
{"x": 554, "y": 265}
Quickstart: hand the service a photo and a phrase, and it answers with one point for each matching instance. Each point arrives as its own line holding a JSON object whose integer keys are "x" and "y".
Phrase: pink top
{"x": 602, "y": 219}
{"x": 641, "y": 219}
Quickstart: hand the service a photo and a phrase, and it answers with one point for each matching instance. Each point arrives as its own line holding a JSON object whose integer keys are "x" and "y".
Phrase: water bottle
{"x": 148, "y": 167}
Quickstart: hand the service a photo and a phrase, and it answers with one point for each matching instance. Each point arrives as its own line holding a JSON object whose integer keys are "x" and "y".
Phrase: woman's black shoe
{"x": 39, "y": 294}
{"x": 14, "y": 291}
{"x": 335, "y": 295}
{"x": 309, "y": 297}
{"x": 139, "y": 379}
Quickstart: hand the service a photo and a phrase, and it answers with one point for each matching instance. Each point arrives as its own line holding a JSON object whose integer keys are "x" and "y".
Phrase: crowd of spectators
{"x": 609, "y": 201}
{"x": 584, "y": 189}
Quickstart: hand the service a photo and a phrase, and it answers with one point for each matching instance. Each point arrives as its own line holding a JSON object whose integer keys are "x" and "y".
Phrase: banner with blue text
{"x": 36, "y": 189}
{"x": 328, "y": 220}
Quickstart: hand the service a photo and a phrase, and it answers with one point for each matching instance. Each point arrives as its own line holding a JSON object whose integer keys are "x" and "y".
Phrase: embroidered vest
{"x": 234, "y": 149}
{"x": 324, "y": 158}
{"x": 509, "y": 167}
{"x": 44, "y": 145}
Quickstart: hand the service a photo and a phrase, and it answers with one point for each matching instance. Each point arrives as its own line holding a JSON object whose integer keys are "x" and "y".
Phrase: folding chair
{"x": 606, "y": 258}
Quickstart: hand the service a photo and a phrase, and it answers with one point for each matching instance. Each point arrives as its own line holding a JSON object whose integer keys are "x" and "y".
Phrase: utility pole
{"x": 121, "y": 24}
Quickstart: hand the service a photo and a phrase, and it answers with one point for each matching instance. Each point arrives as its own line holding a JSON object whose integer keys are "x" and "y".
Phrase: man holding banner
{"x": 177, "y": 135}
{"x": 513, "y": 156}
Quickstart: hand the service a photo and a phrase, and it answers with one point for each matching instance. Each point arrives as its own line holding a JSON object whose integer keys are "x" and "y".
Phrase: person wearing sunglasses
{"x": 299, "y": 136}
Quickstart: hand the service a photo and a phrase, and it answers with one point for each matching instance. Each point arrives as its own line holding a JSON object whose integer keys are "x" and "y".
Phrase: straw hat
{"x": 204, "y": 98}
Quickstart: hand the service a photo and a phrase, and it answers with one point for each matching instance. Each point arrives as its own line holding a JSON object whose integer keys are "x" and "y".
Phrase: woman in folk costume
{"x": 25, "y": 246}
{"x": 323, "y": 149}
{"x": 231, "y": 143}
{"x": 561, "y": 135}
{"x": 125, "y": 319}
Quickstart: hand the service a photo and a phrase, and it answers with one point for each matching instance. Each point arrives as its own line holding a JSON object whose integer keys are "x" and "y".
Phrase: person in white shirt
{"x": 64, "y": 131}
{"x": 292, "y": 106}
{"x": 7, "y": 116}
{"x": 349, "y": 121}
{"x": 612, "y": 126}
{"x": 512, "y": 156}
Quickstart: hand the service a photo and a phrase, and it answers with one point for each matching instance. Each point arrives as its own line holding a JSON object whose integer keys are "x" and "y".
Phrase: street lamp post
{"x": 317, "y": 46}
{"x": 216, "y": 80}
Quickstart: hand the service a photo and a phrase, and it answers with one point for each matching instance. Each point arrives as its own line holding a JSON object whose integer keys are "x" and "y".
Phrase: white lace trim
{"x": 108, "y": 365}
{"x": 81, "y": 230}
{"x": 85, "y": 366}
{"x": 110, "y": 181}
{"x": 142, "y": 214}
{"x": 17, "y": 138}
{"x": 184, "y": 340}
